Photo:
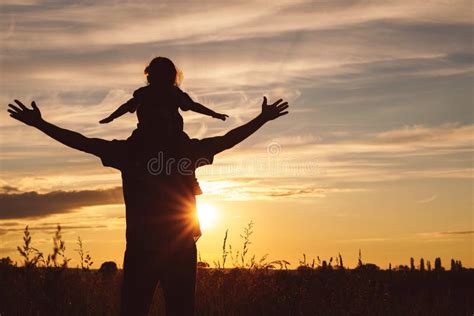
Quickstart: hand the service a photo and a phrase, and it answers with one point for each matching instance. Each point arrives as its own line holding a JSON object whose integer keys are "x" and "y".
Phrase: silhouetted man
{"x": 159, "y": 187}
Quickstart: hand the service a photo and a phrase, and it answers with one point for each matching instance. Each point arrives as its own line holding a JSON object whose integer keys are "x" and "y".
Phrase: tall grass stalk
{"x": 31, "y": 256}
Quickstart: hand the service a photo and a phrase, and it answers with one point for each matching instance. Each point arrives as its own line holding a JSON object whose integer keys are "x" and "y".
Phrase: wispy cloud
{"x": 427, "y": 200}
{"x": 459, "y": 232}
{"x": 447, "y": 135}
{"x": 97, "y": 23}
{"x": 8, "y": 189}
{"x": 363, "y": 240}
{"x": 48, "y": 227}
{"x": 383, "y": 156}
{"x": 259, "y": 188}
{"x": 445, "y": 234}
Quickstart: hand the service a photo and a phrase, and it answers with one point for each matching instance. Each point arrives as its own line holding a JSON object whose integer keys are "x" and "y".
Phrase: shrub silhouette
{"x": 422, "y": 264}
{"x": 6, "y": 262}
{"x": 456, "y": 265}
{"x": 438, "y": 266}
{"x": 202, "y": 265}
{"x": 108, "y": 268}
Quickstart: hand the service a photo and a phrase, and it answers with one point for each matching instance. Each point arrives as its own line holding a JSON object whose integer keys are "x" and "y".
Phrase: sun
{"x": 207, "y": 215}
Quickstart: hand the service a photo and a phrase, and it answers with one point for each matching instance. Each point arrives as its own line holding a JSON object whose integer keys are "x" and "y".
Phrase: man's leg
{"x": 178, "y": 281}
{"x": 140, "y": 277}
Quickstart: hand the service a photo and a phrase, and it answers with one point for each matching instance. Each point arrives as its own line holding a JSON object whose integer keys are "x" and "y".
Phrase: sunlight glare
{"x": 207, "y": 215}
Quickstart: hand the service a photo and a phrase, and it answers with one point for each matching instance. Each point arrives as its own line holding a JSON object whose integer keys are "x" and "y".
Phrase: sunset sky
{"x": 376, "y": 153}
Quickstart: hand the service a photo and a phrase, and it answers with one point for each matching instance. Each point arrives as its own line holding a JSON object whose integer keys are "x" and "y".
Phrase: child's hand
{"x": 220, "y": 116}
{"x": 106, "y": 120}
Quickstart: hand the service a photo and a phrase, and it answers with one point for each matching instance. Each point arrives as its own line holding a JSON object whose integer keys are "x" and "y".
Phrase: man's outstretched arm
{"x": 69, "y": 138}
{"x": 237, "y": 135}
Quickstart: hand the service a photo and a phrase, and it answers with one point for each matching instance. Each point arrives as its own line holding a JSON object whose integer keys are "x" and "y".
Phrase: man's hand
{"x": 106, "y": 120}
{"x": 23, "y": 114}
{"x": 274, "y": 110}
{"x": 220, "y": 116}
{"x": 237, "y": 135}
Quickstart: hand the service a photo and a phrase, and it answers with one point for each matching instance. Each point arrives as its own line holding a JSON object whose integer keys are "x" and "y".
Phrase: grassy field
{"x": 44, "y": 285}
{"x": 361, "y": 291}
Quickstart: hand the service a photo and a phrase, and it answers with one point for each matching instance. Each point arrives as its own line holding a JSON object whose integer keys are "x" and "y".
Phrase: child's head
{"x": 162, "y": 71}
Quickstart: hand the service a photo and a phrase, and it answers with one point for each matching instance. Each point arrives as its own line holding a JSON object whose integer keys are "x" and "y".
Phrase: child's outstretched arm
{"x": 189, "y": 104}
{"x": 128, "y": 106}
{"x": 199, "y": 108}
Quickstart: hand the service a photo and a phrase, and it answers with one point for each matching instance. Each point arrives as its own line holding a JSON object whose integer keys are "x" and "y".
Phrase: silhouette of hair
{"x": 162, "y": 71}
